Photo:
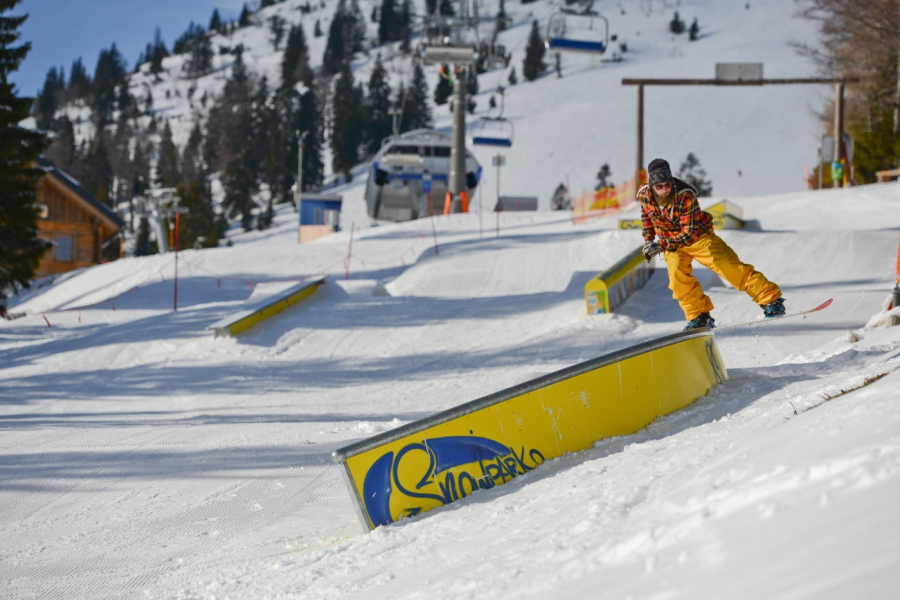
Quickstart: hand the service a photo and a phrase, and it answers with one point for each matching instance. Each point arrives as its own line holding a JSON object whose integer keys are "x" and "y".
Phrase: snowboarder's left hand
{"x": 651, "y": 249}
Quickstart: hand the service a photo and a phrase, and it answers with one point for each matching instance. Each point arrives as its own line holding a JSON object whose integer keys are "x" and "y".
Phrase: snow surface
{"x": 141, "y": 457}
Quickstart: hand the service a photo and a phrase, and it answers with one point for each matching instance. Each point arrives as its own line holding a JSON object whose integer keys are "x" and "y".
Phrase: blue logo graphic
{"x": 714, "y": 362}
{"x": 493, "y": 464}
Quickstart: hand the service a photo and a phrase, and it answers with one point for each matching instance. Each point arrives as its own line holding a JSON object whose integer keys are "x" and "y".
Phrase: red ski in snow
{"x": 822, "y": 306}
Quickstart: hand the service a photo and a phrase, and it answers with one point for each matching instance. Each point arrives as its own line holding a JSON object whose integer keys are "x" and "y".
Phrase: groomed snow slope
{"x": 141, "y": 457}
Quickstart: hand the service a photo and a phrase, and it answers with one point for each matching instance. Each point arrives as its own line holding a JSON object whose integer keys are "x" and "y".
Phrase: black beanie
{"x": 659, "y": 172}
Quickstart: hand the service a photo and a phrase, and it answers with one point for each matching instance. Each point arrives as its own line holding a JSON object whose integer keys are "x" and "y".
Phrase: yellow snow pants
{"x": 713, "y": 253}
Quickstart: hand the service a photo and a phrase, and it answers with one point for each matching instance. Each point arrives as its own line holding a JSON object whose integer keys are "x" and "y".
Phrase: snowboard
{"x": 822, "y": 306}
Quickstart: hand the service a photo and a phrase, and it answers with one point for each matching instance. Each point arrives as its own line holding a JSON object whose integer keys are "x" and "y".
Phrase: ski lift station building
{"x": 409, "y": 176}
{"x": 320, "y": 215}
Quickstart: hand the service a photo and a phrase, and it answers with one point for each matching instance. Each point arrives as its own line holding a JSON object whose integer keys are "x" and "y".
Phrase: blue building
{"x": 320, "y": 215}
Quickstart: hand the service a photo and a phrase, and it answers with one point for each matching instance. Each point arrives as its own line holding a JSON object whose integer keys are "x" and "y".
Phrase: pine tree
{"x": 379, "y": 122}
{"x": 402, "y": 24}
{"x": 240, "y": 176}
{"x": 47, "y": 101}
{"x": 215, "y": 22}
{"x": 183, "y": 43}
{"x": 244, "y": 19}
{"x": 416, "y": 111}
{"x": 277, "y": 26}
{"x": 311, "y": 122}
{"x": 604, "y": 178}
{"x": 143, "y": 246}
{"x": 193, "y": 167}
{"x": 199, "y": 59}
{"x": 197, "y": 226}
{"x": 120, "y": 158}
{"x": 129, "y": 163}
{"x": 560, "y": 200}
{"x": 280, "y": 157}
{"x": 96, "y": 171}
{"x": 676, "y": 25}
{"x": 265, "y": 218}
{"x": 471, "y": 82}
{"x": 693, "y": 173}
{"x": 21, "y": 249}
{"x": 533, "y": 65}
{"x": 694, "y": 33}
{"x": 346, "y": 134}
{"x": 168, "y": 173}
{"x": 337, "y": 47}
{"x": 317, "y": 30}
{"x": 357, "y": 25}
{"x": 235, "y": 93}
{"x": 110, "y": 72}
{"x": 62, "y": 152}
{"x": 444, "y": 88}
{"x": 125, "y": 102}
{"x": 513, "y": 80}
{"x": 244, "y": 140}
{"x": 157, "y": 53}
{"x": 79, "y": 81}
{"x": 500, "y": 24}
{"x": 295, "y": 62}
{"x": 387, "y": 30}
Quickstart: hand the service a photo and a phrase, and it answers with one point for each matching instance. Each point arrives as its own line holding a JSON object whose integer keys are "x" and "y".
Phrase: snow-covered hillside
{"x": 749, "y": 140}
{"x": 140, "y": 457}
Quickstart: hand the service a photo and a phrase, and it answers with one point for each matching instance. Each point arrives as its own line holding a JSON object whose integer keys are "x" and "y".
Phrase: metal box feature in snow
{"x": 262, "y": 310}
{"x": 613, "y": 286}
{"x": 490, "y": 441}
{"x": 516, "y": 203}
{"x": 726, "y": 215}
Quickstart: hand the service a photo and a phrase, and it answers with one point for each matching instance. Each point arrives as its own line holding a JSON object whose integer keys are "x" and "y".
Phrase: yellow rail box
{"x": 490, "y": 441}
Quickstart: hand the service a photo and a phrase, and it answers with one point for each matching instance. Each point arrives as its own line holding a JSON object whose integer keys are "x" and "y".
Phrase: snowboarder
{"x": 669, "y": 211}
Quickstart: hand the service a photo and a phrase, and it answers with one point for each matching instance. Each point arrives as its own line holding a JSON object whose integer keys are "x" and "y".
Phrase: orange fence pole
{"x": 898, "y": 265}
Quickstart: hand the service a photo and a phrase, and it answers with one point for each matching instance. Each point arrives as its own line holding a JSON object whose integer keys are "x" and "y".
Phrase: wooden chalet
{"x": 73, "y": 221}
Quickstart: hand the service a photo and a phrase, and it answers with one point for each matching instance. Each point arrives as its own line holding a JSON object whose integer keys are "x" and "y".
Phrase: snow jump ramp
{"x": 260, "y": 311}
{"x": 494, "y": 439}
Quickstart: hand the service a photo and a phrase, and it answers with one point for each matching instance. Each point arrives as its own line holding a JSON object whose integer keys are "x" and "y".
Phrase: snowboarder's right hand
{"x": 651, "y": 249}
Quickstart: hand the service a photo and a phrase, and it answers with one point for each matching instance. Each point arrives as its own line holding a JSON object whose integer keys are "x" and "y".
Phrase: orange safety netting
{"x": 607, "y": 201}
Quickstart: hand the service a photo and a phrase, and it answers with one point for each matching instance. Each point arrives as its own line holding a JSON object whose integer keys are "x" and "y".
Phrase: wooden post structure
{"x": 839, "y": 100}
{"x": 839, "y": 126}
{"x": 640, "y": 129}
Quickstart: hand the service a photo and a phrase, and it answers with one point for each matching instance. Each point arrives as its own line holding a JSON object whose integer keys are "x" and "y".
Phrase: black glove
{"x": 651, "y": 249}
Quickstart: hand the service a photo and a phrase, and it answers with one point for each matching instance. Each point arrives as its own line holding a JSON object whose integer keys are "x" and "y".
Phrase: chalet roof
{"x": 73, "y": 185}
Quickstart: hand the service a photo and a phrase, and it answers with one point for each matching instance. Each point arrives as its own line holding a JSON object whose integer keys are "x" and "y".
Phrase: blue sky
{"x": 62, "y": 30}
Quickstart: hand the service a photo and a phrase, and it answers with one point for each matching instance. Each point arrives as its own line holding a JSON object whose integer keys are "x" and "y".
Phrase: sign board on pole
{"x": 516, "y": 203}
{"x": 827, "y": 148}
{"x": 739, "y": 71}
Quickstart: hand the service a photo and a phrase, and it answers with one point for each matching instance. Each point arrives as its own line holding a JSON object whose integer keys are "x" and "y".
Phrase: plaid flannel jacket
{"x": 679, "y": 224}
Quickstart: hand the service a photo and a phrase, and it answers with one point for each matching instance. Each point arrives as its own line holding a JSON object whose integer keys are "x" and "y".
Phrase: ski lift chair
{"x": 492, "y": 132}
{"x": 585, "y": 33}
{"x": 448, "y": 40}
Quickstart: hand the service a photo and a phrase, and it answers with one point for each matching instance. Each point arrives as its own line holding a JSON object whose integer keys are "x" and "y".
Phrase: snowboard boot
{"x": 701, "y": 321}
{"x": 774, "y": 309}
